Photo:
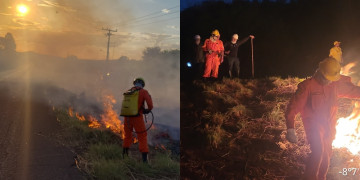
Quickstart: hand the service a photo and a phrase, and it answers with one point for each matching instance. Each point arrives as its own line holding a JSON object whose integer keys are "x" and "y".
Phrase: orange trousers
{"x": 321, "y": 149}
{"x": 138, "y": 124}
{"x": 211, "y": 67}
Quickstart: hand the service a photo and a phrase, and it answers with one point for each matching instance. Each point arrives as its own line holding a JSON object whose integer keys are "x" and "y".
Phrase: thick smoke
{"x": 82, "y": 84}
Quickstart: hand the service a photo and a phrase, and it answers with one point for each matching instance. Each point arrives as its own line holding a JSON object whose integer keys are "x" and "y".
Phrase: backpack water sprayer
{"x": 130, "y": 107}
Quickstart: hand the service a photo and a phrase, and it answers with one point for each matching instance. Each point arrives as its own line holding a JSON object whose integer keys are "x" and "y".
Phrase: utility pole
{"x": 108, "y": 34}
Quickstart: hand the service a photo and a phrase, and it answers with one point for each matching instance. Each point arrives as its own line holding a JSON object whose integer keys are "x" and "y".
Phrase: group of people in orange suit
{"x": 215, "y": 51}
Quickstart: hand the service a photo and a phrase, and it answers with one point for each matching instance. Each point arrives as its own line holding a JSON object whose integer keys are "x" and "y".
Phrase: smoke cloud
{"x": 82, "y": 84}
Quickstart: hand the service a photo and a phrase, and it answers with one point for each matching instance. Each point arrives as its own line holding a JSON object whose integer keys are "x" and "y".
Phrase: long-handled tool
{"x": 252, "y": 58}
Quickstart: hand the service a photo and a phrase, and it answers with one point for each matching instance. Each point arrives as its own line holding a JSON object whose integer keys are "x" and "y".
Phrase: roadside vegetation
{"x": 240, "y": 126}
{"x": 99, "y": 153}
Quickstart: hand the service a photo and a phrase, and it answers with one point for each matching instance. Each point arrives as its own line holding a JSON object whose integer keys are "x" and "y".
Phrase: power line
{"x": 155, "y": 16}
{"x": 157, "y": 12}
{"x": 143, "y": 17}
{"x": 149, "y": 18}
{"x": 154, "y": 22}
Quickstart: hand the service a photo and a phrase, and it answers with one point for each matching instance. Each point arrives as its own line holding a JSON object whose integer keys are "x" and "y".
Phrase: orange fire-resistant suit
{"x": 213, "y": 59}
{"x": 138, "y": 123}
{"x": 318, "y": 106}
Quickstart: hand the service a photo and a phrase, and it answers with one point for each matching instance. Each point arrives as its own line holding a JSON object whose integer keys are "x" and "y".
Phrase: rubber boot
{"x": 125, "y": 152}
{"x": 230, "y": 75}
{"x": 145, "y": 157}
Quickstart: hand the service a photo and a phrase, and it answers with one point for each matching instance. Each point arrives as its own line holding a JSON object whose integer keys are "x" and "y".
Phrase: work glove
{"x": 146, "y": 111}
{"x": 291, "y": 136}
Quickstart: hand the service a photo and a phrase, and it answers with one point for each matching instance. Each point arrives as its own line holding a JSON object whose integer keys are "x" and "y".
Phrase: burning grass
{"x": 241, "y": 127}
{"x": 98, "y": 145}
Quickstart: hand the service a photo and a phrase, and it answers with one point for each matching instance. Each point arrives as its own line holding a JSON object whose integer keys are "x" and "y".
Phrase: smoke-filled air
{"x": 64, "y": 67}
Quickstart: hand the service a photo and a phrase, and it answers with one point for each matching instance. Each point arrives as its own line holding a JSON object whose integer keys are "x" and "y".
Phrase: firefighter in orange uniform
{"x": 137, "y": 122}
{"x": 214, "y": 49}
{"x": 316, "y": 100}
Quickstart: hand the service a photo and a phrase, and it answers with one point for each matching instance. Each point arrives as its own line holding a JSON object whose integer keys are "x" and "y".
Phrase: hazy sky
{"x": 68, "y": 27}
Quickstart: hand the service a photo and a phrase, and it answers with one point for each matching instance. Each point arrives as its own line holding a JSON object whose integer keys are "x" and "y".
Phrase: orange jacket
{"x": 144, "y": 96}
{"x": 217, "y": 47}
{"x": 318, "y": 103}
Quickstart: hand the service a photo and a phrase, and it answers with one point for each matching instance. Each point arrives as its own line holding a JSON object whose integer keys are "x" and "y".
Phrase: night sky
{"x": 188, "y": 3}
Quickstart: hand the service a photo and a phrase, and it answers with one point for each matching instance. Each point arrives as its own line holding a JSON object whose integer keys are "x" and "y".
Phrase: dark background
{"x": 291, "y": 37}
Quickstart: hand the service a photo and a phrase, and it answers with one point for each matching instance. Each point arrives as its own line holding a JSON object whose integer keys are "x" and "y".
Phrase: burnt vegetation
{"x": 235, "y": 129}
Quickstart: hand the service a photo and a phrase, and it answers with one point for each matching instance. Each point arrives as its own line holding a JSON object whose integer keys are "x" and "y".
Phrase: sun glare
{"x": 22, "y": 9}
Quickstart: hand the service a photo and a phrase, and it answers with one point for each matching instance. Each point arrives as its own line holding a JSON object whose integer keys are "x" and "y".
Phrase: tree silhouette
{"x": 8, "y": 54}
{"x": 9, "y": 43}
{"x": 124, "y": 58}
{"x": 151, "y": 53}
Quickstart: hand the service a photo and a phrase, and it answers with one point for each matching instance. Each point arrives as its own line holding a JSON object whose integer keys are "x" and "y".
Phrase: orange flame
{"x": 347, "y": 128}
{"x": 109, "y": 119}
{"x": 94, "y": 123}
{"x": 347, "y": 131}
{"x": 71, "y": 112}
{"x": 80, "y": 117}
{"x": 346, "y": 70}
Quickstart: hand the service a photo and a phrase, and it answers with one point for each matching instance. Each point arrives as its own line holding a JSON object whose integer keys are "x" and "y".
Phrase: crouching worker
{"x": 133, "y": 108}
{"x": 316, "y": 101}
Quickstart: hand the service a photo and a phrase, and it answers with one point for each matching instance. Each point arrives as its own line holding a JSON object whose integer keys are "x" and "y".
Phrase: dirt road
{"x": 28, "y": 148}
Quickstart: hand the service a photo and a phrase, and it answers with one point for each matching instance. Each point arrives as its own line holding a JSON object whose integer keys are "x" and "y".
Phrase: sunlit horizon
{"x": 70, "y": 28}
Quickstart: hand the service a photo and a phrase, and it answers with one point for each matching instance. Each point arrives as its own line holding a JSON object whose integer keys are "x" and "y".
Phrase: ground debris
{"x": 240, "y": 131}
